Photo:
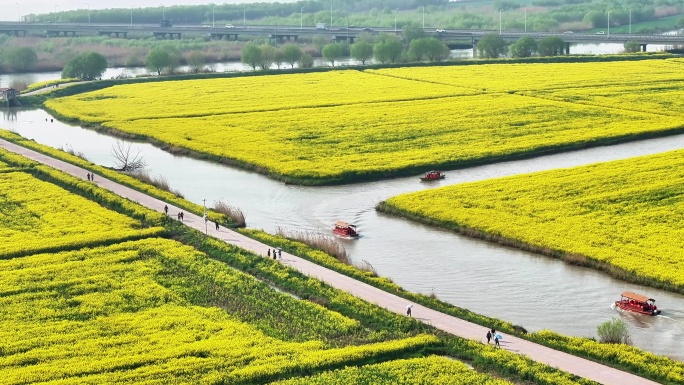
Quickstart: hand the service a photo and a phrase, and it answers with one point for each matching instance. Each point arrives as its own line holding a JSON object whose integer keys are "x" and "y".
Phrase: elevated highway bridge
{"x": 282, "y": 33}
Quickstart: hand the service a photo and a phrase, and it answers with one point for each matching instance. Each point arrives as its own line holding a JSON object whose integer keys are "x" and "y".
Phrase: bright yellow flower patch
{"x": 36, "y": 215}
{"x": 188, "y": 98}
{"x": 432, "y": 370}
{"x": 125, "y": 314}
{"x": 628, "y": 213}
{"x": 546, "y": 76}
{"x": 350, "y": 125}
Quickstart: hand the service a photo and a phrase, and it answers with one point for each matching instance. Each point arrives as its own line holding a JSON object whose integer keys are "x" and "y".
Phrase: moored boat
{"x": 344, "y": 229}
{"x": 637, "y": 303}
{"x": 433, "y": 175}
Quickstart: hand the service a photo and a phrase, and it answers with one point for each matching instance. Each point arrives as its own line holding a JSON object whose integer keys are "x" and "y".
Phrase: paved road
{"x": 569, "y": 363}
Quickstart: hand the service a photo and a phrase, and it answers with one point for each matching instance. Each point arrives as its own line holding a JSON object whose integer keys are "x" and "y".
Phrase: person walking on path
{"x": 92, "y": 177}
{"x": 496, "y": 341}
{"x": 88, "y": 176}
{"x": 166, "y": 209}
{"x": 217, "y": 225}
{"x": 408, "y": 309}
{"x": 280, "y": 253}
{"x": 178, "y": 216}
{"x": 268, "y": 253}
{"x": 182, "y": 216}
{"x": 489, "y": 336}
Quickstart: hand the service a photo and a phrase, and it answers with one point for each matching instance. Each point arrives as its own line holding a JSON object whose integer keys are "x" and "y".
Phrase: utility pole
{"x": 301, "y": 18}
{"x": 423, "y": 16}
{"x": 630, "y": 21}
{"x": 88, "y": 6}
{"x": 18, "y": 13}
{"x": 608, "y": 23}
{"x": 525, "y": 20}
{"x": 213, "y": 19}
{"x": 331, "y": 4}
{"x": 500, "y": 21}
{"x": 205, "y": 216}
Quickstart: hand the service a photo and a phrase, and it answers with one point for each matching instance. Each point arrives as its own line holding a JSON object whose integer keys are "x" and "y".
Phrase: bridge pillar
{"x": 567, "y": 48}
{"x": 643, "y": 47}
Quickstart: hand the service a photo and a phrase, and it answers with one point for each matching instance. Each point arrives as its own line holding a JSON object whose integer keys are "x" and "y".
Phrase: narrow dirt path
{"x": 554, "y": 358}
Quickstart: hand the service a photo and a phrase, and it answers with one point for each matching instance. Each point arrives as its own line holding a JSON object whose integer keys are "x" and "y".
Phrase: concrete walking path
{"x": 554, "y": 358}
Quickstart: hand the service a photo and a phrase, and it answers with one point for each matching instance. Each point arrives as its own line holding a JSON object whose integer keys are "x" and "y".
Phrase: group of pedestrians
{"x": 492, "y": 334}
{"x": 91, "y": 177}
{"x": 277, "y": 253}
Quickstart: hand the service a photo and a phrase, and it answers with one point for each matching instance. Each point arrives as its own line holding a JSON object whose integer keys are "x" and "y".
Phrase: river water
{"x": 527, "y": 289}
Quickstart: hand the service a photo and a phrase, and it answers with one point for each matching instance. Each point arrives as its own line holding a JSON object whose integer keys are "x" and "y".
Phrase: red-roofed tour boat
{"x": 344, "y": 229}
{"x": 433, "y": 175}
{"x": 637, "y": 303}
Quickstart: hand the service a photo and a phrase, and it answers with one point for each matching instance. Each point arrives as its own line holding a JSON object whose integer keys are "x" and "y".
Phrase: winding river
{"x": 527, "y": 289}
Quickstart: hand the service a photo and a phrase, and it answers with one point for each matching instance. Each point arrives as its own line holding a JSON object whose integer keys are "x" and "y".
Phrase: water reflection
{"x": 527, "y": 289}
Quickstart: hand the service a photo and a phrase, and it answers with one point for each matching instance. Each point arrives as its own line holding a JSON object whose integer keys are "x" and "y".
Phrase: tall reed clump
{"x": 160, "y": 182}
{"x": 325, "y": 243}
{"x": 234, "y": 213}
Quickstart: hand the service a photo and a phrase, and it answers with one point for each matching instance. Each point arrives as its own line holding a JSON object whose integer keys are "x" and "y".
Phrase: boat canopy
{"x": 343, "y": 224}
{"x": 637, "y": 297}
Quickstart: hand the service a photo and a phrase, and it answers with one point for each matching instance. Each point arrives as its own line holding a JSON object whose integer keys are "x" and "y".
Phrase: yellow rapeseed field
{"x": 343, "y": 126}
{"x": 627, "y": 213}
{"x": 36, "y": 215}
{"x": 546, "y": 76}
{"x": 128, "y": 314}
{"x": 208, "y": 97}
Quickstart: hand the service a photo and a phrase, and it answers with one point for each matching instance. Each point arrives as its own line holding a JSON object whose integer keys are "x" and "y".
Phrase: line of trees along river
{"x": 527, "y": 289}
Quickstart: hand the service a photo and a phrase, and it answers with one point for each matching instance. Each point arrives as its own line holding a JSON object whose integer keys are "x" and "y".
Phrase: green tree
{"x": 614, "y": 332}
{"x": 412, "y": 31}
{"x": 550, "y": 46}
{"x": 268, "y": 56}
{"x": 333, "y": 52}
{"x": 20, "y": 58}
{"x": 362, "y": 51}
{"x": 595, "y": 18}
{"x": 157, "y": 60}
{"x": 279, "y": 57}
{"x": 429, "y": 48}
{"x": 491, "y": 46}
{"x": 291, "y": 54}
{"x": 306, "y": 61}
{"x": 251, "y": 55}
{"x": 388, "y": 49}
{"x": 85, "y": 66}
{"x": 524, "y": 47}
{"x": 418, "y": 49}
{"x": 632, "y": 46}
{"x": 196, "y": 61}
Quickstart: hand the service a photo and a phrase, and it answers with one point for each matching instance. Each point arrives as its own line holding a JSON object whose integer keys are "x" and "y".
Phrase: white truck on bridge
{"x": 321, "y": 26}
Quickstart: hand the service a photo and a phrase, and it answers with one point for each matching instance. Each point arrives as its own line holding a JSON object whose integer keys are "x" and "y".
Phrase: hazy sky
{"x": 9, "y": 11}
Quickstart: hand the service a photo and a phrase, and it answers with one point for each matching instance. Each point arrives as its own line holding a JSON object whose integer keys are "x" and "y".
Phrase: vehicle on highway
{"x": 367, "y": 29}
{"x": 230, "y": 26}
{"x": 601, "y": 32}
{"x": 321, "y": 26}
{"x": 165, "y": 23}
{"x": 567, "y": 32}
{"x": 206, "y": 26}
{"x": 439, "y": 30}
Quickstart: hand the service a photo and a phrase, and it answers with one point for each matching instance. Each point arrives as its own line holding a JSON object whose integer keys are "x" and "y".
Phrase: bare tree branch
{"x": 125, "y": 160}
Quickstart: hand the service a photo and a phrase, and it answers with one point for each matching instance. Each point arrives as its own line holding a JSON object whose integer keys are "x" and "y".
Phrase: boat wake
{"x": 670, "y": 318}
